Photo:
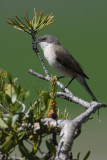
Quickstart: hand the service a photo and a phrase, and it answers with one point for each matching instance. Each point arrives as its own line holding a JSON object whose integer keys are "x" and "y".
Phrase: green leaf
{"x": 25, "y": 94}
{"x": 34, "y": 21}
{"x": 8, "y": 144}
{"x": 51, "y": 147}
{"x": 9, "y": 76}
{"x": 8, "y": 99}
{"x": 47, "y": 111}
{"x": 15, "y": 80}
{"x": 45, "y": 97}
{"x": 78, "y": 156}
{"x": 9, "y": 120}
{"x": 26, "y": 153}
{"x": 87, "y": 155}
{"x": 21, "y": 21}
{"x": 3, "y": 124}
{"x": 10, "y": 91}
{"x": 1, "y": 96}
{"x": 40, "y": 17}
{"x": 17, "y": 89}
{"x": 14, "y": 98}
{"x": 15, "y": 119}
{"x": 24, "y": 23}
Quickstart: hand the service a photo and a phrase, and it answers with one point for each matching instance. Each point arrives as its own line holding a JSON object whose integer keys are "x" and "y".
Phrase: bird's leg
{"x": 60, "y": 77}
{"x": 69, "y": 82}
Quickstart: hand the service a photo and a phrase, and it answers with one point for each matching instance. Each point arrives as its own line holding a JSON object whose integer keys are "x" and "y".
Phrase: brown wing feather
{"x": 66, "y": 59}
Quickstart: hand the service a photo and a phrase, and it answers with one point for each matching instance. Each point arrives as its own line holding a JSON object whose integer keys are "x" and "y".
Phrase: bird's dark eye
{"x": 43, "y": 39}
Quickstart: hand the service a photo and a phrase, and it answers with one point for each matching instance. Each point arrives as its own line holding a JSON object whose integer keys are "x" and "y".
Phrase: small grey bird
{"x": 62, "y": 61}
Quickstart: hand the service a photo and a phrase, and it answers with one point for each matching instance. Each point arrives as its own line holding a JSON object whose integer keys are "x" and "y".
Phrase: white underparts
{"x": 51, "y": 57}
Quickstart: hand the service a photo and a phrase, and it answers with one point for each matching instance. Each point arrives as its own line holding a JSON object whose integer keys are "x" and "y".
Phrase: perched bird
{"x": 62, "y": 61}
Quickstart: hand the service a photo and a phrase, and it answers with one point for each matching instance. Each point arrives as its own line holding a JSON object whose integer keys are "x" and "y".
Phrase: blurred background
{"x": 81, "y": 27}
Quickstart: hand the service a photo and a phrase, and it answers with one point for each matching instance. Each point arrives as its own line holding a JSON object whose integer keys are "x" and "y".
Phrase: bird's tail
{"x": 83, "y": 82}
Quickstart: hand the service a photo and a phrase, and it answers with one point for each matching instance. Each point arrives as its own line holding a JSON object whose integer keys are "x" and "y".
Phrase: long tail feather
{"x": 83, "y": 82}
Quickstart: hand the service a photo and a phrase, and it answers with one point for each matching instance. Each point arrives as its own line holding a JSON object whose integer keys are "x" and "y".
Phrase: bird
{"x": 62, "y": 61}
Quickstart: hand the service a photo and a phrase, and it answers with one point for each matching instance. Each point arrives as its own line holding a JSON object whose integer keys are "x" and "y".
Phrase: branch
{"x": 68, "y": 132}
{"x": 4, "y": 108}
{"x": 47, "y": 78}
{"x": 66, "y": 94}
{"x": 38, "y": 53}
{"x": 70, "y": 129}
{"x": 73, "y": 98}
{"x": 23, "y": 106}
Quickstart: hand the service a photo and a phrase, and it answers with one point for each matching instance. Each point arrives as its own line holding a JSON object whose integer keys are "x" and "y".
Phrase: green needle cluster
{"x": 36, "y": 24}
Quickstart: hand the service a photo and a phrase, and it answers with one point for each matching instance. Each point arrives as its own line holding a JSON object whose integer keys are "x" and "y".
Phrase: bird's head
{"x": 47, "y": 40}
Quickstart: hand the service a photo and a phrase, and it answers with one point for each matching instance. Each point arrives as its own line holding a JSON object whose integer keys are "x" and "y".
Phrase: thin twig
{"x": 66, "y": 94}
{"x": 47, "y": 78}
{"x": 4, "y": 108}
{"x": 35, "y": 103}
{"x": 38, "y": 53}
{"x": 23, "y": 106}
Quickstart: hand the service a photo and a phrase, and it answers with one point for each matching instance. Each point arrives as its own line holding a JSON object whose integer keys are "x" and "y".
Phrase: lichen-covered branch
{"x": 73, "y": 98}
{"x": 67, "y": 134}
{"x": 69, "y": 129}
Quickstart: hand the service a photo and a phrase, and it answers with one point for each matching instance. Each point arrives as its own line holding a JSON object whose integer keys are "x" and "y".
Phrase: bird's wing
{"x": 66, "y": 59}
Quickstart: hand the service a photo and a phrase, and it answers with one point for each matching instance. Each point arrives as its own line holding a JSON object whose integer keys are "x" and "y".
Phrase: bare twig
{"x": 66, "y": 94}
{"x": 73, "y": 98}
{"x": 35, "y": 103}
{"x": 38, "y": 54}
{"x": 23, "y": 106}
{"x": 47, "y": 78}
{"x": 4, "y": 108}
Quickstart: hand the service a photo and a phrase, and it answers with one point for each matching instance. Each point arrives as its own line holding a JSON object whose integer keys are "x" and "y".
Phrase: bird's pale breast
{"x": 51, "y": 57}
